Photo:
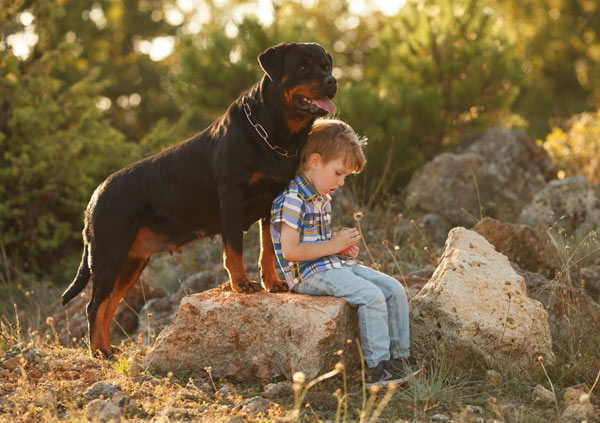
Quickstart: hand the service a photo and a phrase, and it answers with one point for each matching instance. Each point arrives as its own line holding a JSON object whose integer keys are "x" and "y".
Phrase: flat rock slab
{"x": 261, "y": 335}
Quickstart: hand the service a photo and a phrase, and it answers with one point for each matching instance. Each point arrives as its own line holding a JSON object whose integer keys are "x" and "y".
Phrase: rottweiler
{"x": 221, "y": 180}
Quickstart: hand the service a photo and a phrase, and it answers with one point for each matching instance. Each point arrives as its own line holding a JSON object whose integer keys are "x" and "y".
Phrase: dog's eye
{"x": 302, "y": 68}
{"x": 326, "y": 66}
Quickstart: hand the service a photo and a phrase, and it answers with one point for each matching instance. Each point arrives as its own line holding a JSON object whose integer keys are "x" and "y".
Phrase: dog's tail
{"x": 81, "y": 280}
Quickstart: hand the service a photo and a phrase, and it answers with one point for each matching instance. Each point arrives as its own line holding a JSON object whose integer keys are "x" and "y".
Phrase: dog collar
{"x": 262, "y": 132}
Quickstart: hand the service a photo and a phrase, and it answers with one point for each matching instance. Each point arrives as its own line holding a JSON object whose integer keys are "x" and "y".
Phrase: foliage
{"x": 448, "y": 70}
{"x": 55, "y": 146}
{"x": 560, "y": 44}
{"x": 413, "y": 83}
{"x": 577, "y": 151}
{"x": 110, "y": 36}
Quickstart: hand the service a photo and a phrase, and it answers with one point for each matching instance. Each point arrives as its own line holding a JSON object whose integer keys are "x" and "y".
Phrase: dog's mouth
{"x": 317, "y": 106}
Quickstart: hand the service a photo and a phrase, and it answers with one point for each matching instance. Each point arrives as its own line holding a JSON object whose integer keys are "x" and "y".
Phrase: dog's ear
{"x": 271, "y": 60}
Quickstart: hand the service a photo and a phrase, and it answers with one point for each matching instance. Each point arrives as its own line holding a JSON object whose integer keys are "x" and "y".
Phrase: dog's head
{"x": 302, "y": 72}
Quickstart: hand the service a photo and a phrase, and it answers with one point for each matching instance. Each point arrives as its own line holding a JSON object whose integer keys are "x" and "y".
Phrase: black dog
{"x": 219, "y": 181}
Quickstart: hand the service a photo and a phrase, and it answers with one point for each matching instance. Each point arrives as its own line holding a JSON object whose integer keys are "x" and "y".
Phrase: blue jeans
{"x": 382, "y": 308}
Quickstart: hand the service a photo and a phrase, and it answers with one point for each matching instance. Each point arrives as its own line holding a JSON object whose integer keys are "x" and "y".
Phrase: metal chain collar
{"x": 261, "y": 130}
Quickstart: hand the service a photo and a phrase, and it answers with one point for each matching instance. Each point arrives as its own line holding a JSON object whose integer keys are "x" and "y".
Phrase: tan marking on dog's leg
{"x": 98, "y": 343}
{"x": 234, "y": 263}
{"x": 132, "y": 268}
{"x": 266, "y": 263}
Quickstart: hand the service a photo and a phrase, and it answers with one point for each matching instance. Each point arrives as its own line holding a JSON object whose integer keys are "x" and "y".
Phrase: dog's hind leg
{"x": 130, "y": 272}
{"x": 104, "y": 303}
{"x": 270, "y": 280}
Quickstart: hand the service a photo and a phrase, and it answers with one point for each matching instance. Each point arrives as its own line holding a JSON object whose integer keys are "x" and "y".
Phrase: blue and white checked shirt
{"x": 302, "y": 208}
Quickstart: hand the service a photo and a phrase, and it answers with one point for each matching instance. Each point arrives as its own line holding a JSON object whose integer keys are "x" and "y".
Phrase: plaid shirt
{"x": 303, "y": 209}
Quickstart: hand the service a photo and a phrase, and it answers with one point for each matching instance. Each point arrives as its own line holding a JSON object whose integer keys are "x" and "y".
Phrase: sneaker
{"x": 408, "y": 365}
{"x": 386, "y": 372}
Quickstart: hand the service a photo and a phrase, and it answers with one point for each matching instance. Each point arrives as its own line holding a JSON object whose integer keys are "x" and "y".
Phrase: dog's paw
{"x": 246, "y": 286}
{"x": 276, "y": 285}
{"x": 106, "y": 353}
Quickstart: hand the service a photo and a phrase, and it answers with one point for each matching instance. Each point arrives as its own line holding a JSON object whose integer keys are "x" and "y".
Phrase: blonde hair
{"x": 332, "y": 139}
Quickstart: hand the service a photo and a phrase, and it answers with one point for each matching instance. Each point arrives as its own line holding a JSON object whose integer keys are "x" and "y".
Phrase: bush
{"x": 577, "y": 151}
{"x": 55, "y": 147}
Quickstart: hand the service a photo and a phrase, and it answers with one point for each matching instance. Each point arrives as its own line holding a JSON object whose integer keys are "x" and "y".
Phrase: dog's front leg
{"x": 269, "y": 279}
{"x": 231, "y": 214}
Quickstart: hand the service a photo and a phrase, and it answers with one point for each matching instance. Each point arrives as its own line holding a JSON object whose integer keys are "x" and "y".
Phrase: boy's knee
{"x": 373, "y": 295}
{"x": 399, "y": 291}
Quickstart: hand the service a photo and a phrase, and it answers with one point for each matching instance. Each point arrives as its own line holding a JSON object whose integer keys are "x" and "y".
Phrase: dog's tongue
{"x": 325, "y": 104}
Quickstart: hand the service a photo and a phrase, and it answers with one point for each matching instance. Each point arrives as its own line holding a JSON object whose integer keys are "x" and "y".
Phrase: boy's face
{"x": 326, "y": 177}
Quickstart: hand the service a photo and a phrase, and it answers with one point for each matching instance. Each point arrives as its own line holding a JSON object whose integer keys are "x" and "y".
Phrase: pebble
{"x": 253, "y": 406}
{"x": 283, "y": 388}
{"x": 12, "y": 363}
{"x": 543, "y": 396}
{"x": 104, "y": 389}
{"x": 102, "y": 411}
{"x": 494, "y": 377}
{"x": 125, "y": 403}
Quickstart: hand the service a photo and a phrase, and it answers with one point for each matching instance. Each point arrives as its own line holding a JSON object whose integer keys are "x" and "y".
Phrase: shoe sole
{"x": 400, "y": 381}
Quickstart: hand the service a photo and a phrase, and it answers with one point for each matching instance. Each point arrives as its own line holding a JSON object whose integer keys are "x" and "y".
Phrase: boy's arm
{"x": 293, "y": 250}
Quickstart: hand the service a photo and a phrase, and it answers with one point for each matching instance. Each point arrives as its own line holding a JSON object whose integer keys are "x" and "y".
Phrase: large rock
{"x": 571, "y": 311}
{"x": 530, "y": 248}
{"x": 501, "y": 170}
{"x": 571, "y": 204}
{"x": 157, "y": 313}
{"x": 477, "y": 307}
{"x": 253, "y": 336}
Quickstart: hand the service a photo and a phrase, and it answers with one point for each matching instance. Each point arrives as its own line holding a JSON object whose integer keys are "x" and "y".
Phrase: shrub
{"x": 577, "y": 151}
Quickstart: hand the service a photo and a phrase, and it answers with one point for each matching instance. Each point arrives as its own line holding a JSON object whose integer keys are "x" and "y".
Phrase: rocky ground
{"x": 523, "y": 283}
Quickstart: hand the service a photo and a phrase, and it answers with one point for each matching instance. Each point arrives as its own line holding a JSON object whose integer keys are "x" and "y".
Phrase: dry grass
{"x": 42, "y": 381}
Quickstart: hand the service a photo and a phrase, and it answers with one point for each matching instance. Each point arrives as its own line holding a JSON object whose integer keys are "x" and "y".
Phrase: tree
{"x": 109, "y": 36}
{"x": 439, "y": 70}
{"x": 560, "y": 44}
{"x": 55, "y": 146}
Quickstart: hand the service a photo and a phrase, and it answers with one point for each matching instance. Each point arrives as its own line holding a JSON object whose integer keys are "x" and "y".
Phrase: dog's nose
{"x": 330, "y": 81}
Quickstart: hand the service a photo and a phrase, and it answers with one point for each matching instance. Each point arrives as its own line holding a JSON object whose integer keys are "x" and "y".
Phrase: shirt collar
{"x": 307, "y": 189}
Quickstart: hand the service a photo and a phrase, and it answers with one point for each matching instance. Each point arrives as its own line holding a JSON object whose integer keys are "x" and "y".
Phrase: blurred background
{"x": 87, "y": 87}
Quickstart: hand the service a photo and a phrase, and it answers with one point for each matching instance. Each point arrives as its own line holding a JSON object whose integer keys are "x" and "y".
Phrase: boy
{"x": 317, "y": 262}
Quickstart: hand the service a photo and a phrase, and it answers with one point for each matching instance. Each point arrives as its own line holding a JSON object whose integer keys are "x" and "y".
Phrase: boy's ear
{"x": 314, "y": 160}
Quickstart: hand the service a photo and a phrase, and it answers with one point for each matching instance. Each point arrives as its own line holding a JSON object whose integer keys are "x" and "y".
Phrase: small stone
{"x": 58, "y": 365}
{"x": 283, "y": 388}
{"x": 101, "y": 411}
{"x": 35, "y": 373}
{"x": 494, "y": 377}
{"x": 12, "y": 363}
{"x": 48, "y": 399}
{"x": 440, "y": 418}
{"x": 256, "y": 405}
{"x": 543, "y": 396}
{"x": 578, "y": 405}
{"x": 34, "y": 355}
{"x": 125, "y": 403}
{"x": 474, "y": 410}
{"x": 104, "y": 389}
{"x": 16, "y": 349}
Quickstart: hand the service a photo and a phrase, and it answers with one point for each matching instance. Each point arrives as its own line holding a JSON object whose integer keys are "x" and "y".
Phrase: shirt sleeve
{"x": 288, "y": 209}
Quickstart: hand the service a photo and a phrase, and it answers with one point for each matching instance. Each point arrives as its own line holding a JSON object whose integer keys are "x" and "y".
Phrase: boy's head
{"x": 333, "y": 139}
{"x": 332, "y": 151}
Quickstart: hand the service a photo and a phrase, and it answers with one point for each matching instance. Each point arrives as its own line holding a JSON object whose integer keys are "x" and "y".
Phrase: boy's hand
{"x": 351, "y": 251}
{"x": 346, "y": 238}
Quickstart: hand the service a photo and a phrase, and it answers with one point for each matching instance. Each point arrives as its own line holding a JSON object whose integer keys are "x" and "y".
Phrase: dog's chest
{"x": 268, "y": 184}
